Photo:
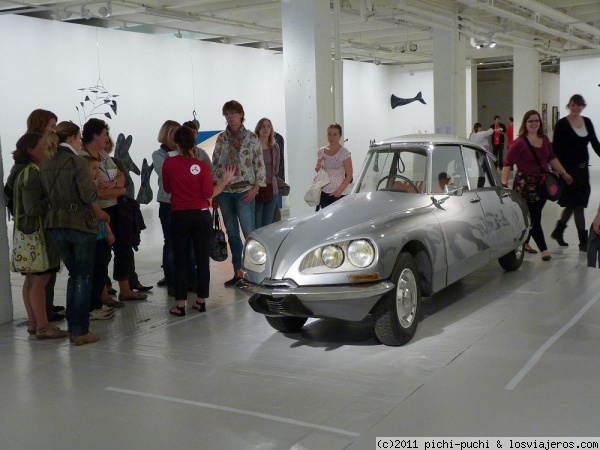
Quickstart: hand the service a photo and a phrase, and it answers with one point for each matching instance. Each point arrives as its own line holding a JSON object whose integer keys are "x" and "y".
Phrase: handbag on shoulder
{"x": 29, "y": 252}
{"x": 218, "y": 243}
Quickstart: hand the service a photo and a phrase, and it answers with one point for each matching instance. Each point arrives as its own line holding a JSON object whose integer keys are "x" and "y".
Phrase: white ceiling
{"x": 374, "y": 31}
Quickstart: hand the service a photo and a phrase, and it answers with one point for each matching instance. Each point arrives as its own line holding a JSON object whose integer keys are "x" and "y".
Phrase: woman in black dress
{"x": 572, "y": 134}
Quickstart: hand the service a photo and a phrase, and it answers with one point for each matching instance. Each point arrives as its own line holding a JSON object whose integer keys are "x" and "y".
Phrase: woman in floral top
{"x": 239, "y": 147}
{"x": 337, "y": 162}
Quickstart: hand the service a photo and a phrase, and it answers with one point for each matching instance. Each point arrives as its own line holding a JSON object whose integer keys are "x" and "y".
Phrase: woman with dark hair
{"x": 70, "y": 190}
{"x": 532, "y": 153}
{"x": 43, "y": 121}
{"x": 572, "y": 134}
{"x": 30, "y": 213}
{"x": 264, "y": 209}
{"x": 190, "y": 183}
{"x": 239, "y": 147}
{"x": 337, "y": 162}
{"x": 111, "y": 186}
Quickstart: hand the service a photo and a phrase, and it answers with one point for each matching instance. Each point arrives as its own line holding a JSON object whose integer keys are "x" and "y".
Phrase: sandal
{"x": 178, "y": 311}
{"x": 200, "y": 306}
{"x": 112, "y": 303}
{"x": 31, "y": 328}
{"x": 132, "y": 296}
{"x": 50, "y": 332}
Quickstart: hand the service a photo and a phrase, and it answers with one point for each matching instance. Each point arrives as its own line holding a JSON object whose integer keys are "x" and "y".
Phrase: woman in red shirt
{"x": 532, "y": 152}
{"x": 190, "y": 183}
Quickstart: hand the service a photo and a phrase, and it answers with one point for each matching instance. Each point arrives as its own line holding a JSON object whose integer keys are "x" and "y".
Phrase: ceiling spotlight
{"x": 413, "y": 47}
{"x": 492, "y": 44}
{"x": 105, "y": 11}
{"x": 86, "y": 13}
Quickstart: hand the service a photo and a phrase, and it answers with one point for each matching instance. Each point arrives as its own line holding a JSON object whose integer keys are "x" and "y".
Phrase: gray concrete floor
{"x": 497, "y": 354}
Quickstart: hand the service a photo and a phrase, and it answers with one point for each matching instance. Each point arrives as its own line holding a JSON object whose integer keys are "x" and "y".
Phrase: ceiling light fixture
{"x": 86, "y": 13}
{"x": 105, "y": 11}
{"x": 158, "y": 12}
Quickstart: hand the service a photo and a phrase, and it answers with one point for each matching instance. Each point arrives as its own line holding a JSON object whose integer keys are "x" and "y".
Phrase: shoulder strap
{"x": 534, "y": 154}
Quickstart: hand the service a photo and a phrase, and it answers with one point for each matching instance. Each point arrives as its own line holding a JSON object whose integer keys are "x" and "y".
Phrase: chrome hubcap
{"x": 406, "y": 298}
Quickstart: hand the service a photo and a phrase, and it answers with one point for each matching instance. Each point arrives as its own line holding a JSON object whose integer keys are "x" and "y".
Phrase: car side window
{"x": 447, "y": 170}
{"x": 477, "y": 169}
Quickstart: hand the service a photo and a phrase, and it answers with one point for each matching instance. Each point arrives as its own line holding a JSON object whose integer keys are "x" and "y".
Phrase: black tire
{"x": 287, "y": 324}
{"x": 513, "y": 260}
{"x": 397, "y": 315}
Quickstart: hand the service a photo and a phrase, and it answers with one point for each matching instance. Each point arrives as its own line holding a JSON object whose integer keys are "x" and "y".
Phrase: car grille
{"x": 275, "y": 305}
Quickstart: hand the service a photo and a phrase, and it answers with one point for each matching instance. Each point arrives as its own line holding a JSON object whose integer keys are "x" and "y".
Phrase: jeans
{"x": 77, "y": 250}
{"x": 236, "y": 213}
{"x": 326, "y": 200}
{"x": 264, "y": 212}
{"x": 191, "y": 226}
{"x": 168, "y": 260}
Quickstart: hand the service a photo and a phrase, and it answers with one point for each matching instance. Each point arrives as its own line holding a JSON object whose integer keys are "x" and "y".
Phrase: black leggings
{"x": 537, "y": 233}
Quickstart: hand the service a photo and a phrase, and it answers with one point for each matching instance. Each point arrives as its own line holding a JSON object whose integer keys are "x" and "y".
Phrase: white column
{"x": 308, "y": 81}
{"x": 526, "y": 83}
{"x": 449, "y": 82}
{"x": 6, "y": 307}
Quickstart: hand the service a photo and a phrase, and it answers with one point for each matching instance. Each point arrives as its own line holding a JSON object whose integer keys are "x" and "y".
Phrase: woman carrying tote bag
{"x": 30, "y": 211}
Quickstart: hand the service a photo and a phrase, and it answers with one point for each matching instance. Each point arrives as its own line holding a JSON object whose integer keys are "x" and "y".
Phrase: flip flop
{"x": 133, "y": 296}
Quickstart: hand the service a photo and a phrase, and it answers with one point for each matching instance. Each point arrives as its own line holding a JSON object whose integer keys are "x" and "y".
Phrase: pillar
{"x": 526, "y": 83}
{"x": 6, "y": 308}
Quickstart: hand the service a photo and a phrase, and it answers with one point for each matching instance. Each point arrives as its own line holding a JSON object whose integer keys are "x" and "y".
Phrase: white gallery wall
{"x": 582, "y": 76}
{"x": 157, "y": 78}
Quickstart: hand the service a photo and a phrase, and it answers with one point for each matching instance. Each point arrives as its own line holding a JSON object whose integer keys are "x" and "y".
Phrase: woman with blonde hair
{"x": 266, "y": 199}
{"x": 67, "y": 183}
{"x": 30, "y": 211}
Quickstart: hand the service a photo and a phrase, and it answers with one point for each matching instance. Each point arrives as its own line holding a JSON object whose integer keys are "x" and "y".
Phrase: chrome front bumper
{"x": 284, "y": 298}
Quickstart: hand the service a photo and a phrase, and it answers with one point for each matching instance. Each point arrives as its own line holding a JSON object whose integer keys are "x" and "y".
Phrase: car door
{"x": 459, "y": 213}
{"x": 498, "y": 208}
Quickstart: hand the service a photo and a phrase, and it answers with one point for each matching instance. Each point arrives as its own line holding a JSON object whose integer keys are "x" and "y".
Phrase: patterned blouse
{"x": 242, "y": 150}
{"x": 334, "y": 166}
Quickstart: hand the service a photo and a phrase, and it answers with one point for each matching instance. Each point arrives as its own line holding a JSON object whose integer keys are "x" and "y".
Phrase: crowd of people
{"x": 66, "y": 185}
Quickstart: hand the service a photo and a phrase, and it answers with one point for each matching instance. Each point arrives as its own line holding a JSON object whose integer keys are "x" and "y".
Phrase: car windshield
{"x": 399, "y": 170}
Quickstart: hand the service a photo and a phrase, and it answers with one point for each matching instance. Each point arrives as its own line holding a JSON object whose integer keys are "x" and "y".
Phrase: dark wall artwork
{"x": 145, "y": 194}
{"x": 397, "y": 101}
{"x": 122, "y": 147}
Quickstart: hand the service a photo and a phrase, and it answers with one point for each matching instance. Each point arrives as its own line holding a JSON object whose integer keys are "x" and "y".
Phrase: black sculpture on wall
{"x": 122, "y": 153}
{"x": 145, "y": 193}
{"x": 397, "y": 101}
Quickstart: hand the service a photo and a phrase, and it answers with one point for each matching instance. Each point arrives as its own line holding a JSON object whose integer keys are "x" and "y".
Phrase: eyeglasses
{"x": 533, "y": 121}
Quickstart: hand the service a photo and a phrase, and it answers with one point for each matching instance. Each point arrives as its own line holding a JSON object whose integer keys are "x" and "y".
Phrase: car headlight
{"x": 332, "y": 256}
{"x": 255, "y": 256}
{"x": 344, "y": 256}
{"x": 361, "y": 253}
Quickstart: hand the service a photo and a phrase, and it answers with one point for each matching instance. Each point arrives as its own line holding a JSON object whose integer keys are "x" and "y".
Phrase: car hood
{"x": 354, "y": 215}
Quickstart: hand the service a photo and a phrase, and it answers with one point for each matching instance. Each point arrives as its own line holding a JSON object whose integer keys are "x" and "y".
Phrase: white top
{"x": 481, "y": 137}
{"x": 581, "y": 132}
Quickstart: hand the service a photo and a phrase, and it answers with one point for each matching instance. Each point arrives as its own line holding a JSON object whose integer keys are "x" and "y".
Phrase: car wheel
{"x": 513, "y": 260}
{"x": 287, "y": 324}
{"x": 397, "y": 315}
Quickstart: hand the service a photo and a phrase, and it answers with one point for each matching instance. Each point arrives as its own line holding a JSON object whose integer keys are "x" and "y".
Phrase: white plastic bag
{"x": 313, "y": 194}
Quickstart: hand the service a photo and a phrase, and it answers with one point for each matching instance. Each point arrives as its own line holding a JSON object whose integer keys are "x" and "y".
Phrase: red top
{"x": 519, "y": 154}
{"x": 509, "y": 134}
{"x": 189, "y": 181}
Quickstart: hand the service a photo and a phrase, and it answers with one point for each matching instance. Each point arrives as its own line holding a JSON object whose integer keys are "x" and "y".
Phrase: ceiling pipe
{"x": 527, "y": 22}
{"x": 557, "y": 16}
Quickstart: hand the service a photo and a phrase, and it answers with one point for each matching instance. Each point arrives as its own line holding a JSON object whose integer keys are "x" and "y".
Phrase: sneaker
{"x": 99, "y": 314}
{"x": 232, "y": 282}
{"x": 88, "y": 338}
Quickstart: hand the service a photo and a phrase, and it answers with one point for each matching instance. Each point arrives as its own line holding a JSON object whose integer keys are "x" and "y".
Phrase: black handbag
{"x": 218, "y": 244}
